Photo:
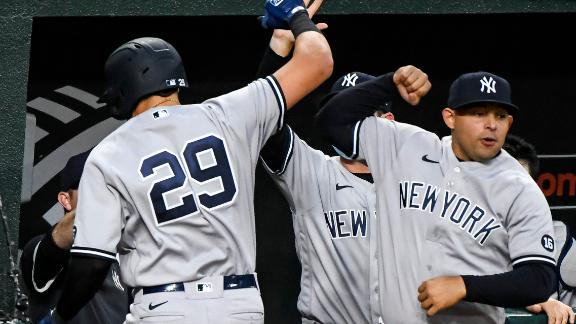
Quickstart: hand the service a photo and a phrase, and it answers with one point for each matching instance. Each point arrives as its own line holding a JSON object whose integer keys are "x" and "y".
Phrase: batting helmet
{"x": 139, "y": 68}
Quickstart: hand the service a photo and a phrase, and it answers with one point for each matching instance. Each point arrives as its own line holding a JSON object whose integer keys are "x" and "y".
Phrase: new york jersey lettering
{"x": 460, "y": 210}
{"x": 346, "y": 223}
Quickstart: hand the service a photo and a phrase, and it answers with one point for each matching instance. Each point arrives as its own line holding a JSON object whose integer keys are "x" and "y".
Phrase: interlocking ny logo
{"x": 490, "y": 85}
{"x": 349, "y": 80}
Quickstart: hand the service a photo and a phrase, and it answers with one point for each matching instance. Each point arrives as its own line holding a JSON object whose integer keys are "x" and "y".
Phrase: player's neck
{"x": 354, "y": 166}
{"x": 155, "y": 101}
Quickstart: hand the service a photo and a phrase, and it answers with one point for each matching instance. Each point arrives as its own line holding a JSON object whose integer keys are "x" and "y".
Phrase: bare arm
{"x": 310, "y": 65}
{"x": 337, "y": 119}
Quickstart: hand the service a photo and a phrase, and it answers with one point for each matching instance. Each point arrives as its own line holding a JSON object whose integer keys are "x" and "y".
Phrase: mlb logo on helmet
{"x": 481, "y": 87}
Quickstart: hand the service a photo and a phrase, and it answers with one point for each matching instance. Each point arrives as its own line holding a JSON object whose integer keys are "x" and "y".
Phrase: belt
{"x": 230, "y": 282}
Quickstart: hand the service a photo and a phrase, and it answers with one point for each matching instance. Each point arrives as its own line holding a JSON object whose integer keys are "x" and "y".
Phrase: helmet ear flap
{"x": 110, "y": 97}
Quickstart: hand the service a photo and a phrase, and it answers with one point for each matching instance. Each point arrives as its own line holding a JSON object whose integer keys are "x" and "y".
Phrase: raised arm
{"x": 275, "y": 153}
{"x": 341, "y": 116}
{"x": 311, "y": 63}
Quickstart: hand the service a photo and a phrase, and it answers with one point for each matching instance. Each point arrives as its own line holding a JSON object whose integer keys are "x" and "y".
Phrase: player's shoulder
{"x": 303, "y": 147}
{"x": 404, "y": 129}
{"x": 511, "y": 179}
{"x": 263, "y": 86}
{"x": 509, "y": 168}
{"x": 108, "y": 149}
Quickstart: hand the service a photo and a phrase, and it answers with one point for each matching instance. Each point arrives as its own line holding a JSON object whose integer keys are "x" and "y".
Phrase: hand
{"x": 62, "y": 234}
{"x": 282, "y": 40}
{"x": 439, "y": 293}
{"x": 412, "y": 83}
{"x": 278, "y": 13}
{"x": 557, "y": 312}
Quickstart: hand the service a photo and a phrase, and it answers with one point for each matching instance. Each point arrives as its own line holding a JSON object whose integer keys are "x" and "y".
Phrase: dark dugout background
{"x": 222, "y": 53}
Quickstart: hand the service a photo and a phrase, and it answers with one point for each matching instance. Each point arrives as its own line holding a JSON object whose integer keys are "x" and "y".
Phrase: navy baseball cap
{"x": 70, "y": 175}
{"x": 346, "y": 81}
{"x": 481, "y": 87}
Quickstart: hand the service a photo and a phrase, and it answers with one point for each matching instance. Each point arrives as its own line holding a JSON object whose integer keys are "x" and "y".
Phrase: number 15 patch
{"x": 547, "y": 243}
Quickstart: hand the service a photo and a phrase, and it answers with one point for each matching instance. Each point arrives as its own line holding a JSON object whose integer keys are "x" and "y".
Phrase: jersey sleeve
{"x": 530, "y": 231}
{"x": 294, "y": 166}
{"x": 277, "y": 151}
{"x": 257, "y": 109}
{"x": 98, "y": 223}
{"x": 378, "y": 141}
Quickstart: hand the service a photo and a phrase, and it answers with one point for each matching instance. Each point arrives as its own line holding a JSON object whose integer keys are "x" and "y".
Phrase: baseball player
{"x": 332, "y": 202}
{"x": 172, "y": 188}
{"x": 566, "y": 256}
{"x": 463, "y": 226}
{"x": 44, "y": 262}
{"x": 556, "y": 308}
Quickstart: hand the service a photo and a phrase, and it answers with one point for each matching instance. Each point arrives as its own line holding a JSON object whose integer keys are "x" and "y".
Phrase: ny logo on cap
{"x": 349, "y": 80}
{"x": 490, "y": 85}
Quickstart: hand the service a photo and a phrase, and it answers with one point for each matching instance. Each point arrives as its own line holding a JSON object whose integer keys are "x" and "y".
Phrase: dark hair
{"x": 520, "y": 149}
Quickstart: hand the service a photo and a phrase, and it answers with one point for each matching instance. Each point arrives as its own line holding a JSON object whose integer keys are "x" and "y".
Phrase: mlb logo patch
{"x": 170, "y": 82}
{"x": 204, "y": 287}
{"x": 160, "y": 114}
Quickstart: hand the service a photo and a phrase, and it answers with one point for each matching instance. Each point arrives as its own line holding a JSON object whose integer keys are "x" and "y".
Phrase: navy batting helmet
{"x": 139, "y": 68}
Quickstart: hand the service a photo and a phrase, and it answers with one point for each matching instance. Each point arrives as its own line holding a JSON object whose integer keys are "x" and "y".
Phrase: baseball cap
{"x": 70, "y": 175}
{"x": 481, "y": 87}
{"x": 346, "y": 81}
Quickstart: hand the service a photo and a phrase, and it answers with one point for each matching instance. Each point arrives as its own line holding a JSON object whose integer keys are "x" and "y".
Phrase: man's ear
{"x": 449, "y": 115}
{"x": 64, "y": 200}
{"x": 510, "y": 121}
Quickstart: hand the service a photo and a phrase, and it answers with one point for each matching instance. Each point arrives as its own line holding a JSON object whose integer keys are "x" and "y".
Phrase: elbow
{"x": 325, "y": 63}
{"x": 319, "y": 56}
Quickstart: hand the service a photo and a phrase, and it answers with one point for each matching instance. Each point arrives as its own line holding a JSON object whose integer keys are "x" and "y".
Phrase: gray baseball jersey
{"x": 172, "y": 189}
{"x": 566, "y": 256}
{"x": 332, "y": 213}
{"x": 446, "y": 217}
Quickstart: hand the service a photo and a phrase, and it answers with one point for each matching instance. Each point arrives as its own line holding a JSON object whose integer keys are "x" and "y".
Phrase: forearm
{"x": 311, "y": 62}
{"x": 526, "y": 285}
{"x": 84, "y": 278}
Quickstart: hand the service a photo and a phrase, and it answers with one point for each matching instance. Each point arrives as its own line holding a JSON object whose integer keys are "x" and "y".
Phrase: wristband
{"x": 301, "y": 23}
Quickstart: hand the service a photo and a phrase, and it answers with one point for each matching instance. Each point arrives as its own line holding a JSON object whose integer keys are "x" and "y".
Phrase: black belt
{"x": 230, "y": 282}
